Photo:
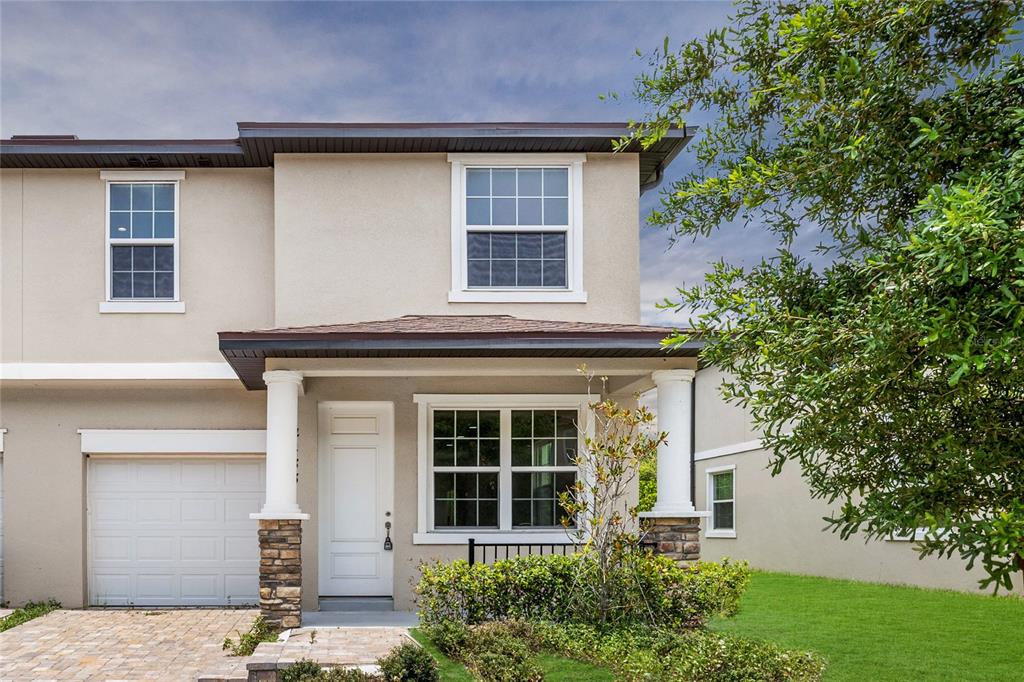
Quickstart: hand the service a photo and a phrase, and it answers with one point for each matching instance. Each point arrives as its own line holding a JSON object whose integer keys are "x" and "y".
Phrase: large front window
{"x": 500, "y": 467}
{"x": 517, "y": 228}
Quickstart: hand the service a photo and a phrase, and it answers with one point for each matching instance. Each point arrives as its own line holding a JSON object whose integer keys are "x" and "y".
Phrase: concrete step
{"x": 357, "y": 604}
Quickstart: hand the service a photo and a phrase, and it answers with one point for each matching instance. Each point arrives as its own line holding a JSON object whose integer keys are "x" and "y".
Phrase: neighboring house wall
{"x": 368, "y": 237}
{"x": 52, "y": 246}
{"x": 780, "y": 528}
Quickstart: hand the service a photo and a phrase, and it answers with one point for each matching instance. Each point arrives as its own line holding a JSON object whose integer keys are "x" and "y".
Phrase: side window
{"x": 142, "y": 241}
{"x": 722, "y": 501}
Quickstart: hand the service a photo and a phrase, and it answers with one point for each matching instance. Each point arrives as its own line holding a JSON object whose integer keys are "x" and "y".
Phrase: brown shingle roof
{"x": 457, "y": 325}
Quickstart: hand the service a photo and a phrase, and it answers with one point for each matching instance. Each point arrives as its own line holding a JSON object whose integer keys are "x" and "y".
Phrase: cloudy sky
{"x": 151, "y": 69}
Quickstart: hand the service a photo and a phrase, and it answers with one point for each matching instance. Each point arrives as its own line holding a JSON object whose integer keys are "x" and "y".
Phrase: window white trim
{"x": 460, "y": 291}
{"x": 143, "y": 175}
{"x": 177, "y": 441}
{"x": 711, "y": 531}
{"x": 109, "y": 304}
{"x": 141, "y": 306}
{"x": 426, "y": 402}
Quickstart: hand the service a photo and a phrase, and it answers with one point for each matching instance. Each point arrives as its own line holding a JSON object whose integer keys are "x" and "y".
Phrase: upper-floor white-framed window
{"x": 495, "y": 465}
{"x": 722, "y": 501}
{"x": 517, "y": 228}
{"x": 142, "y": 231}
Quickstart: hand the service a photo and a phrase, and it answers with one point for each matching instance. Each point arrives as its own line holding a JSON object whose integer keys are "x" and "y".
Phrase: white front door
{"x": 356, "y": 477}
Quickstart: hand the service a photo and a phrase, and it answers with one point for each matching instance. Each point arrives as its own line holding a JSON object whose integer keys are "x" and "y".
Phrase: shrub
{"x": 644, "y": 589}
{"x": 310, "y": 671}
{"x": 449, "y": 636}
{"x": 640, "y": 653}
{"x": 33, "y": 609}
{"x": 247, "y": 642}
{"x": 409, "y": 663}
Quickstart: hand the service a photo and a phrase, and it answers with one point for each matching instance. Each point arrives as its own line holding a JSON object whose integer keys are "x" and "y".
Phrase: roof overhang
{"x": 247, "y": 352}
{"x": 257, "y": 143}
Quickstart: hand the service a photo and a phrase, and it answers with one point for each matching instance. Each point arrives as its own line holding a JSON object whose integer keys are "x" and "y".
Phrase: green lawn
{"x": 883, "y": 632}
{"x": 556, "y": 668}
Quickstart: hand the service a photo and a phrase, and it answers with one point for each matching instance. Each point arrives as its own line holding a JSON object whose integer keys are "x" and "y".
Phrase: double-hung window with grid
{"x": 142, "y": 241}
{"x": 501, "y": 468}
{"x": 722, "y": 500}
{"x": 517, "y": 229}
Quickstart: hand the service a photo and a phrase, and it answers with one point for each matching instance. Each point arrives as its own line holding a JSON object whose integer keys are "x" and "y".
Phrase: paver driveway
{"x": 103, "y": 644}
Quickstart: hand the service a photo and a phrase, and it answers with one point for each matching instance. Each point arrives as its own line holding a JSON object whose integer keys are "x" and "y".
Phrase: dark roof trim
{"x": 257, "y": 143}
{"x": 247, "y": 352}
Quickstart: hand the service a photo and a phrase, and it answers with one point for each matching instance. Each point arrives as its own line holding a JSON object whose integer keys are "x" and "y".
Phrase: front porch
{"x": 360, "y": 451}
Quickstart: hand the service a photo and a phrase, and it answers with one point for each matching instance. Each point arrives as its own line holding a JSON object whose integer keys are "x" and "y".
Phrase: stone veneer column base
{"x": 281, "y": 572}
{"x": 678, "y": 538}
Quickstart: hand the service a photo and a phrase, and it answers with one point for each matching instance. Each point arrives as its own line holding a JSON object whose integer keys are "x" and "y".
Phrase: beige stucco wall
{"x": 52, "y": 268}
{"x": 780, "y": 528}
{"x": 44, "y": 469}
{"x": 366, "y": 237}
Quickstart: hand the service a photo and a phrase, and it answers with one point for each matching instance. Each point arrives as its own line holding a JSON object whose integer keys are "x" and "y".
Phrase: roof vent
{"x": 45, "y": 138}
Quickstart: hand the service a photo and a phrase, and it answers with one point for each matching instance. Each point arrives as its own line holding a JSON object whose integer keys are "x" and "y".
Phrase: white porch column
{"x": 675, "y": 416}
{"x": 283, "y": 389}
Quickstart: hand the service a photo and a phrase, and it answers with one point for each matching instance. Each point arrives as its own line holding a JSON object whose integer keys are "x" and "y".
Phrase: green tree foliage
{"x": 893, "y": 373}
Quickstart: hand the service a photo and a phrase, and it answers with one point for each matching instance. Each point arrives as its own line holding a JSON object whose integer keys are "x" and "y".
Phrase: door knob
{"x": 387, "y": 538}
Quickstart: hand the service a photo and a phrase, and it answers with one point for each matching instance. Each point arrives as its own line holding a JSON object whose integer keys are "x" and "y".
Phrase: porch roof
{"x": 445, "y": 336}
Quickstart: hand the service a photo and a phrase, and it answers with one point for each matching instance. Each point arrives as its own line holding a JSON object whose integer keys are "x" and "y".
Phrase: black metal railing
{"x": 510, "y": 550}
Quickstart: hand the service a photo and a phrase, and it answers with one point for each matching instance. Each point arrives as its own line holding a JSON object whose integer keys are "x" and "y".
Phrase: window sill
{"x": 518, "y": 537}
{"x": 142, "y": 306}
{"x": 720, "y": 534}
{"x": 513, "y": 296}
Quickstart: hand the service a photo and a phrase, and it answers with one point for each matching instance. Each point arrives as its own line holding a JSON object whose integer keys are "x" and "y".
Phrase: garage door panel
{"x": 189, "y": 543}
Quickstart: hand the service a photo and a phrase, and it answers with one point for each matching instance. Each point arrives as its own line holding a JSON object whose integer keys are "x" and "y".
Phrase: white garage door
{"x": 174, "y": 531}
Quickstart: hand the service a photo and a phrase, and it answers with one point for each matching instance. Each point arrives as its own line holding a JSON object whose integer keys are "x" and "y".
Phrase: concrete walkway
{"x": 117, "y": 644}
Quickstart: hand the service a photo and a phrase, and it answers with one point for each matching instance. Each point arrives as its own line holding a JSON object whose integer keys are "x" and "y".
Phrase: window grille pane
{"x": 142, "y": 272}
{"x": 120, "y": 224}
{"x": 535, "y": 498}
{"x": 556, "y": 211}
{"x": 478, "y": 211}
{"x": 163, "y": 225}
{"x": 503, "y": 182}
{"x": 556, "y": 182}
{"x": 723, "y": 485}
{"x": 510, "y": 259}
{"x": 120, "y": 197}
{"x": 723, "y": 513}
{"x": 530, "y": 182}
{"x": 142, "y": 197}
{"x": 163, "y": 197}
{"x": 478, "y": 182}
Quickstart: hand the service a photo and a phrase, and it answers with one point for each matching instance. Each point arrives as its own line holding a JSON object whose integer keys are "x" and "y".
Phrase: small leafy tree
{"x": 618, "y": 444}
{"x": 891, "y": 368}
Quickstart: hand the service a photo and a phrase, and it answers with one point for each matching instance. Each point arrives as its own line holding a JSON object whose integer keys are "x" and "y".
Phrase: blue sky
{"x": 148, "y": 69}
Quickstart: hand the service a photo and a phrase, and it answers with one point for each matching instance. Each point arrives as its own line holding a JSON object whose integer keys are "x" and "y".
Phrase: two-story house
{"x": 302, "y": 361}
{"x": 369, "y": 332}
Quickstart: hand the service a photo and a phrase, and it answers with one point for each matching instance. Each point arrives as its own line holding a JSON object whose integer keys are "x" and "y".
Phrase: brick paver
{"x": 107, "y": 644}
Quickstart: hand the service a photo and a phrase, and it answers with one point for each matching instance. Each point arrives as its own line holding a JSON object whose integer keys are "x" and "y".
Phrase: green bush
{"x": 409, "y": 663}
{"x": 31, "y": 610}
{"x": 641, "y": 653}
{"x": 495, "y": 652}
{"x": 310, "y": 671}
{"x": 645, "y": 589}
